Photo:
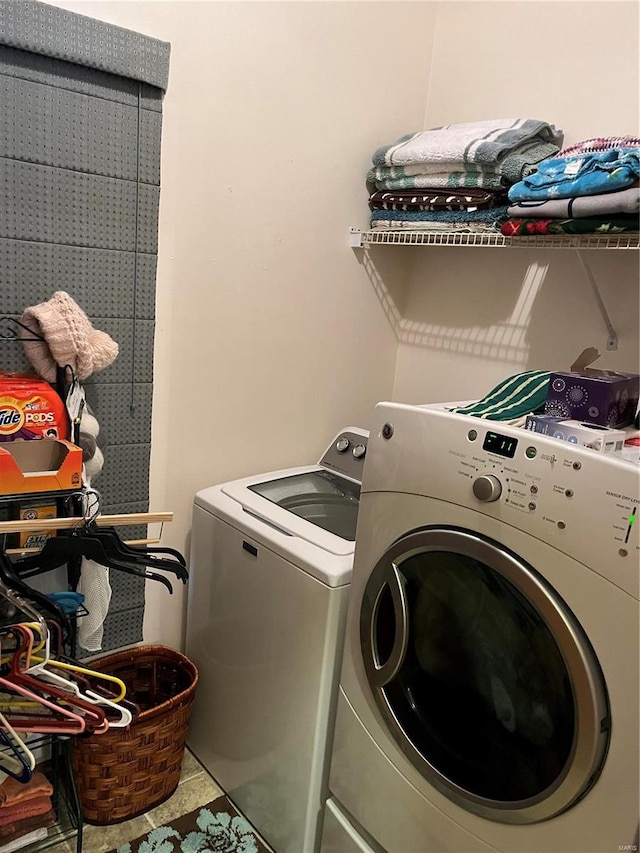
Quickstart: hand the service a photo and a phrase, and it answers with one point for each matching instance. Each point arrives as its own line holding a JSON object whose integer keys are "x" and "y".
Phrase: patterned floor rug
{"x": 215, "y": 827}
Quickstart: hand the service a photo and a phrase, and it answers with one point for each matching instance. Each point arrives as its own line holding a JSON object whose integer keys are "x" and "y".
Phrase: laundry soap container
{"x": 127, "y": 771}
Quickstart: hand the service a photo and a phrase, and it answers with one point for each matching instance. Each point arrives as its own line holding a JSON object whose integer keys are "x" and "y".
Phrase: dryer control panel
{"x": 581, "y": 501}
{"x": 347, "y": 452}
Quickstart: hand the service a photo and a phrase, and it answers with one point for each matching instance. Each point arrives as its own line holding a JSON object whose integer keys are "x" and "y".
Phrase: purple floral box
{"x": 603, "y": 397}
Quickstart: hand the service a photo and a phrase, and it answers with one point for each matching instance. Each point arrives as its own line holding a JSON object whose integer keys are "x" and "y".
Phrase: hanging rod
{"x": 72, "y": 522}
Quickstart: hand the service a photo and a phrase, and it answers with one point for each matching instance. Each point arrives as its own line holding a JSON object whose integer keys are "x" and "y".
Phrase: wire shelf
{"x": 57, "y": 768}
{"x": 357, "y": 238}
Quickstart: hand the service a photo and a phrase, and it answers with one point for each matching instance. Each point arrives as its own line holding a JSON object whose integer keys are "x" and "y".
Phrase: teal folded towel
{"x": 513, "y": 398}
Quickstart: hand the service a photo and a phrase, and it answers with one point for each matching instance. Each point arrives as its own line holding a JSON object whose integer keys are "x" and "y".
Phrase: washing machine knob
{"x": 359, "y": 450}
{"x": 487, "y": 488}
{"x": 342, "y": 444}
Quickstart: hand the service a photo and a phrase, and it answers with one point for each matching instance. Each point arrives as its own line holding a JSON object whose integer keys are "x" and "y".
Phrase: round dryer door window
{"x": 483, "y": 676}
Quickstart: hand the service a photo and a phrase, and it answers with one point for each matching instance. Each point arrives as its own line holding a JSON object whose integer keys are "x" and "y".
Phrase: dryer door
{"x": 483, "y": 676}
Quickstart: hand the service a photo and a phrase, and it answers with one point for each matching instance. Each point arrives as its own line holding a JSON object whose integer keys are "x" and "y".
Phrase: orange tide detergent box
{"x": 30, "y": 408}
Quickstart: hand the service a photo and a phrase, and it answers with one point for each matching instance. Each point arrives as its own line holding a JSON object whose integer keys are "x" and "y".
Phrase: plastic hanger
{"x": 63, "y": 721}
{"x": 39, "y": 670}
{"x": 37, "y": 667}
{"x": 58, "y": 550}
{"x": 142, "y": 555}
{"x": 124, "y": 714}
{"x": 34, "y": 626}
{"x": 90, "y": 500}
{"x": 21, "y": 762}
{"x": 94, "y": 719}
{"x": 91, "y": 673}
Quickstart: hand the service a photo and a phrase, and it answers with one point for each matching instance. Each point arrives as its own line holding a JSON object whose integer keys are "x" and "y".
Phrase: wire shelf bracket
{"x": 359, "y": 239}
{"x": 612, "y": 339}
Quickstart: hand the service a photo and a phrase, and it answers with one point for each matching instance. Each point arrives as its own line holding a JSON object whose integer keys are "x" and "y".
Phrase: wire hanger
{"x": 12, "y": 334}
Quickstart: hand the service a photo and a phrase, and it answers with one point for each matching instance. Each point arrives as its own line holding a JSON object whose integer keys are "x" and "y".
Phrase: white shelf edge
{"x": 380, "y": 237}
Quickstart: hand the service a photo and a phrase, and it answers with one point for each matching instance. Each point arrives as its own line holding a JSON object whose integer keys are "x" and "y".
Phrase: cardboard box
{"x": 44, "y": 465}
{"x": 603, "y": 397}
{"x": 35, "y": 510}
{"x": 599, "y": 438}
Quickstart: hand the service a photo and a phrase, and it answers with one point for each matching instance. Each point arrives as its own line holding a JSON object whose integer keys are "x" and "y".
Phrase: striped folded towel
{"x": 513, "y": 398}
{"x": 480, "y": 142}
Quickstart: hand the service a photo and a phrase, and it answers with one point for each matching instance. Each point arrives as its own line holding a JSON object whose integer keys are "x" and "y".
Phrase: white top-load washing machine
{"x": 489, "y": 689}
{"x": 271, "y": 562}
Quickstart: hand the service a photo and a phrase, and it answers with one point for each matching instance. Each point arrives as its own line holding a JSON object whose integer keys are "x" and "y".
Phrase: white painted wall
{"x": 479, "y": 315}
{"x": 270, "y": 337}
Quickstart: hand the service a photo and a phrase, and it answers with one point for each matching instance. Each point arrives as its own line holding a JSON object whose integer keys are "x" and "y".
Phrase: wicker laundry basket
{"x": 125, "y": 772}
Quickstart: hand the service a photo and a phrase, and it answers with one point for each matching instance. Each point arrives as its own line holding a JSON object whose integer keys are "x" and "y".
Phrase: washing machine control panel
{"x": 584, "y": 502}
{"x": 346, "y": 453}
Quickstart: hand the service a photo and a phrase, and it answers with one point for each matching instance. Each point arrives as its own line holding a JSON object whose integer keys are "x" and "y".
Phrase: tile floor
{"x": 196, "y": 788}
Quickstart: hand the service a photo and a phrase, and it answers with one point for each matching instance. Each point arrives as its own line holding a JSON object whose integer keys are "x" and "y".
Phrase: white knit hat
{"x": 69, "y": 338}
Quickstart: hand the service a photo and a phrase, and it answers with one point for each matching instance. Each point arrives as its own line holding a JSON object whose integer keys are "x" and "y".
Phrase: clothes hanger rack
{"x": 73, "y": 522}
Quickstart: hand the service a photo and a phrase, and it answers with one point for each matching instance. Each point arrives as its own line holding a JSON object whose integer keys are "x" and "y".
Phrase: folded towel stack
{"x": 456, "y": 177}
{"x": 589, "y": 188}
{"x": 25, "y": 807}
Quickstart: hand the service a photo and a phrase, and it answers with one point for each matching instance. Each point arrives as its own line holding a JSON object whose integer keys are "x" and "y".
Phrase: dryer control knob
{"x": 359, "y": 450}
{"x": 342, "y": 444}
{"x": 487, "y": 488}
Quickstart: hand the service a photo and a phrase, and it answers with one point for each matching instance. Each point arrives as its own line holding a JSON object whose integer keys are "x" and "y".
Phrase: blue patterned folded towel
{"x": 589, "y": 174}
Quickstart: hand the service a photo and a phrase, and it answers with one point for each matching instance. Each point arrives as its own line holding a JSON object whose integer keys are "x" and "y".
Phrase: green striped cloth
{"x": 515, "y": 397}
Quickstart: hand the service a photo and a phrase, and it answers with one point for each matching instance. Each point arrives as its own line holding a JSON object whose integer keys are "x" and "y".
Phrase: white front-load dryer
{"x": 489, "y": 689}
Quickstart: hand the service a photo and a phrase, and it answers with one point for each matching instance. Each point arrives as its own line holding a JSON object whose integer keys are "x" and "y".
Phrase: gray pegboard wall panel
{"x": 102, "y": 278}
{"x": 13, "y": 358}
{"x": 145, "y": 297}
{"x": 121, "y": 628}
{"x": 148, "y": 205}
{"x": 143, "y": 364}
{"x": 150, "y": 137}
{"x": 43, "y": 125}
{"x": 131, "y": 336}
{"x": 76, "y": 78}
{"x": 56, "y": 206}
{"x": 40, "y": 28}
{"x": 150, "y": 98}
{"x": 123, "y": 369}
{"x": 129, "y": 408}
{"x": 130, "y": 531}
{"x": 127, "y": 591}
{"x": 79, "y": 195}
{"x": 125, "y": 476}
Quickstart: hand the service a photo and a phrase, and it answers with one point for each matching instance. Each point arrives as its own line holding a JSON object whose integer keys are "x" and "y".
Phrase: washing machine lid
{"x": 309, "y": 502}
{"x": 264, "y": 524}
